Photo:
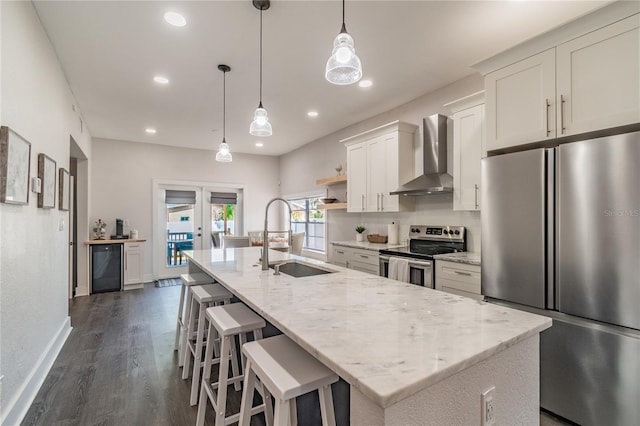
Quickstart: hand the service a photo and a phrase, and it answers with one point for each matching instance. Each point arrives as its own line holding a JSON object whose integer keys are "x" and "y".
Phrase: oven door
{"x": 420, "y": 271}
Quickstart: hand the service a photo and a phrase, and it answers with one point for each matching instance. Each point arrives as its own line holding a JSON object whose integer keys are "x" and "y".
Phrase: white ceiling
{"x": 111, "y": 50}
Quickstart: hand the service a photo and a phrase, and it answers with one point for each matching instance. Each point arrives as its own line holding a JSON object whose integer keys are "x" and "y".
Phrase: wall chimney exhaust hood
{"x": 434, "y": 179}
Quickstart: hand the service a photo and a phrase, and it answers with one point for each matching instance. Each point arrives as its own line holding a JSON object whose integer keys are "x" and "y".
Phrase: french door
{"x": 191, "y": 217}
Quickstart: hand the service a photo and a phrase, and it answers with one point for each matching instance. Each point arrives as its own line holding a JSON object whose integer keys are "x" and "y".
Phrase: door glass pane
{"x": 180, "y": 225}
{"x": 222, "y": 222}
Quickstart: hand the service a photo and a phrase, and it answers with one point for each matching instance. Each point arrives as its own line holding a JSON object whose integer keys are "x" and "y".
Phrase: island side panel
{"x": 515, "y": 373}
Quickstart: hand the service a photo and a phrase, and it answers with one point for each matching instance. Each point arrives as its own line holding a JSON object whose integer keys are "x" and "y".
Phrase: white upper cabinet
{"x": 357, "y": 177}
{"x": 586, "y": 83}
{"x": 378, "y": 161}
{"x": 468, "y": 150}
{"x": 521, "y": 102}
{"x": 598, "y": 79}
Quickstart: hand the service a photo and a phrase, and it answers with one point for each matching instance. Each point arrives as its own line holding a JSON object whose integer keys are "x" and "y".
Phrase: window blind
{"x": 224, "y": 198}
{"x": 179, "y": 197}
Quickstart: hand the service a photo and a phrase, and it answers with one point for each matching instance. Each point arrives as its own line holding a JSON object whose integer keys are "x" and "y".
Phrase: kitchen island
{"x": 410, "y": 355}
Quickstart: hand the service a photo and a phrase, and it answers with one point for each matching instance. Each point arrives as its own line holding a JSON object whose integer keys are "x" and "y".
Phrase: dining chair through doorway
{"x": 229, "y": 241}
{"x": 297, "y": 241}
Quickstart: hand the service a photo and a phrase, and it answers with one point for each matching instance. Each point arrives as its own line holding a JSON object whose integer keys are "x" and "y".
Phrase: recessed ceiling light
{"x": 259, "y": 144}
{"x": 312, "y": 113}
{"x": 175, "y": 19}
{"x": 161, "y": 80}
{"x": 150, "y": 130}
{"x": 365, "y": 83}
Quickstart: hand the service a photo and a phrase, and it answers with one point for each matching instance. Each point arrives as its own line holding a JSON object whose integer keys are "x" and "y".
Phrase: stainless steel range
{"x": 425, "y": 241}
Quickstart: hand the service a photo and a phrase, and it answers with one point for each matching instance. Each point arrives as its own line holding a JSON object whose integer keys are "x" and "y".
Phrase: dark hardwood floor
{"x": 118, "y": 366}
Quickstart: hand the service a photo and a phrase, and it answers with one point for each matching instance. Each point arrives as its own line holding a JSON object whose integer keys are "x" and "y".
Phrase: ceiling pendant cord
{"x": 224, "y": 154}
{"x": 344, "y": 66}
{"x": 260, "y": 125}
{"x": 260, "y": 104}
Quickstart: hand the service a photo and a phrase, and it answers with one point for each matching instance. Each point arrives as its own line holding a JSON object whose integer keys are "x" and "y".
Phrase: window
{"x": 307, "y": 218}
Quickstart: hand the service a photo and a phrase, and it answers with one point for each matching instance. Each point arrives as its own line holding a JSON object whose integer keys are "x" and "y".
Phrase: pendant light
{"x": 343, "y": 67}
{"x": 260, "y": 125}
{"x": 224, "y": 155}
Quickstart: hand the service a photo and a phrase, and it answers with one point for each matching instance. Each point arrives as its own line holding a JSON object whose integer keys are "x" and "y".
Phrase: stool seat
{"x": 195, "y": 278}
{"x": 285, "y": 368}
{"x": 234, "y": 319}
{"x": 210, "y": 293}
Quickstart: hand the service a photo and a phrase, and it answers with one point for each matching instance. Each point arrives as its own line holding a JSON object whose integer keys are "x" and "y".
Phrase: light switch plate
{"x": 36, "y": 185}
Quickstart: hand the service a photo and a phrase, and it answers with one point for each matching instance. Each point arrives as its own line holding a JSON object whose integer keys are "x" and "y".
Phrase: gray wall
{"x": 123, "y": 171}
{"x": 300, "y": 168}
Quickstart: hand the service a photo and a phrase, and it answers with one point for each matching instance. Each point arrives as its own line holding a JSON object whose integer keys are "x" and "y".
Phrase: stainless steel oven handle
{"x": 427, "y": 263}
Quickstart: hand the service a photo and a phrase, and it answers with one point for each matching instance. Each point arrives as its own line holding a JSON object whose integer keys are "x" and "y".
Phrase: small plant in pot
{"x": 359, "y": 233}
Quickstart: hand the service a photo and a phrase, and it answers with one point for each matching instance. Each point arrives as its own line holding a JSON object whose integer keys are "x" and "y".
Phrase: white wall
{"x": 299, "y": 170}
{"x": 36, "y": 102}
{"x": 122, "y": 174}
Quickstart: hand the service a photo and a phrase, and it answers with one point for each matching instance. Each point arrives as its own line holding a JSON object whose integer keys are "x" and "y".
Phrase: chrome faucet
{"x": 265, "y": 235}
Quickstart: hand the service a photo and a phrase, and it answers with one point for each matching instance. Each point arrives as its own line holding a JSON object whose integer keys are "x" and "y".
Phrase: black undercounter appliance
{"x": 106, "y": 267}
{"x": 561, "y": 238}
{"x": 424, "y": 242}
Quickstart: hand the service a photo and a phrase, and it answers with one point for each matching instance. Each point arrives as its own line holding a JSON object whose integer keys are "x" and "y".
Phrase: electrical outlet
{"x": 488, "y": 407}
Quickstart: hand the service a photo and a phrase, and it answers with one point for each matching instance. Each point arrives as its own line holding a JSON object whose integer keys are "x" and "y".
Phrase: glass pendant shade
{"x": 260, "y": 125}
{"x": 344, "y": 66}
{"x": 224, "y": 154}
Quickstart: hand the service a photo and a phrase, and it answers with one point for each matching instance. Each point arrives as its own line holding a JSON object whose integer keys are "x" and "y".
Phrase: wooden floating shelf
{"x": 332, "y": 180}
{"x": 332, "y": 206}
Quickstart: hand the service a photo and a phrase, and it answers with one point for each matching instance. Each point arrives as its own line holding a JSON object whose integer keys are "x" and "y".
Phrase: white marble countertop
{"x": 468, "y": 257}
{"x": 386, "y": 338}
{"x": 366, "y": 245}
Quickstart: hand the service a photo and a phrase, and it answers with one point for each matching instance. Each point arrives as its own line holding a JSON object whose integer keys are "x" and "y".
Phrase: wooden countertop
{"x": 92, "y": 242}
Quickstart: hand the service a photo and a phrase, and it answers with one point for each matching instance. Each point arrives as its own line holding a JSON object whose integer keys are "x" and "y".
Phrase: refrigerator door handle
{"x": 551, "y": 227}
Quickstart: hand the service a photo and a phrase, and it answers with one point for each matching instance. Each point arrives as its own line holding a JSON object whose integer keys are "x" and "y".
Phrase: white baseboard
{"x": 13, "y": 413}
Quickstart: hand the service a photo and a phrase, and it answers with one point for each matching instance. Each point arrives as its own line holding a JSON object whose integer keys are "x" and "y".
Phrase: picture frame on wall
{"x": 15, "y": 161}
{"x": 63, "y": 189}
{"x": 47, "y": 175}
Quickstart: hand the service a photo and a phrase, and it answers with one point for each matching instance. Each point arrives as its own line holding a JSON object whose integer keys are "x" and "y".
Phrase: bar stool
{"x": 188, "y": 280}
{"x": 286, "y": 371}
{"x": 228, "y": 321}
{"x": 202, "y": 297}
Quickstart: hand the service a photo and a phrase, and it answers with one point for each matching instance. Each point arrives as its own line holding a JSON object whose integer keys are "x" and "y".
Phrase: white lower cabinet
{"x": 133, "y": 265}
{"x": 458, "y": 278}
{"x": 341, "y": 255}
{"x": 365, "y": 261}
{"x": 358, "y": 259}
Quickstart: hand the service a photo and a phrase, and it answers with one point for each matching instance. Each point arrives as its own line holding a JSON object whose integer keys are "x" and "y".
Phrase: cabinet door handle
{"x": 363, "y": 256}
{"x": 476, "y": 194}
{"x": 463, "y": 273}
{"x": 546, "y": 115}
{"x": 562, "y": 102}
{"x": 362, "y": 202}
{"x": 378, "y": 201}
{"x": 381, "y": 201}
{"x": 338, "y": 251}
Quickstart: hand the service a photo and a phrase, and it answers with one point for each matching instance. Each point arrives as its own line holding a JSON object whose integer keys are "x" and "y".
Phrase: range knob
{"x": 445, "y": 232}
{"x": 414, "y": 230}
{"x": 457, "y": 232}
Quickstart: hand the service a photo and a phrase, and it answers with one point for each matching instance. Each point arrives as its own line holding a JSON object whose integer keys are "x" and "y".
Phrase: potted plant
{"x": 359, "y": 230}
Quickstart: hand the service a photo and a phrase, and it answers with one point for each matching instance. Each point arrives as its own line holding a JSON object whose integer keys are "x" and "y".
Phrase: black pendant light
{"x": 260, "y": 125}
{"x": 224, "y": 154}
{"x": 344, "y": 66}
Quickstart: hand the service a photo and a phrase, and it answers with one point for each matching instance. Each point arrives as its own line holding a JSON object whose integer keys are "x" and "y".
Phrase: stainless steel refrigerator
{"x": 561, "y": 237}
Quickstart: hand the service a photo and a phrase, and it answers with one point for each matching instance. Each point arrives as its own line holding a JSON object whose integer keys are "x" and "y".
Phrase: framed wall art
{"x": 15, "y": 159}
{"x": 63, "y": 189}
{"x": 47, "y": 175}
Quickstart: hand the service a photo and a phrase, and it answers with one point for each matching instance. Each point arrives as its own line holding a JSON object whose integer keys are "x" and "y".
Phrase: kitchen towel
{"x": 399, "y": 269}
{"x": 392, "y": 233}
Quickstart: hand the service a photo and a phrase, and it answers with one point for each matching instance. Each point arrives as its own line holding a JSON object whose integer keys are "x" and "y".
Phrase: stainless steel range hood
{"x": 434, "y": 179}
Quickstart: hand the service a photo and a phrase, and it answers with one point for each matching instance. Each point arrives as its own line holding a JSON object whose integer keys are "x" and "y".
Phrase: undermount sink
{"x": 298, "y": 270}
